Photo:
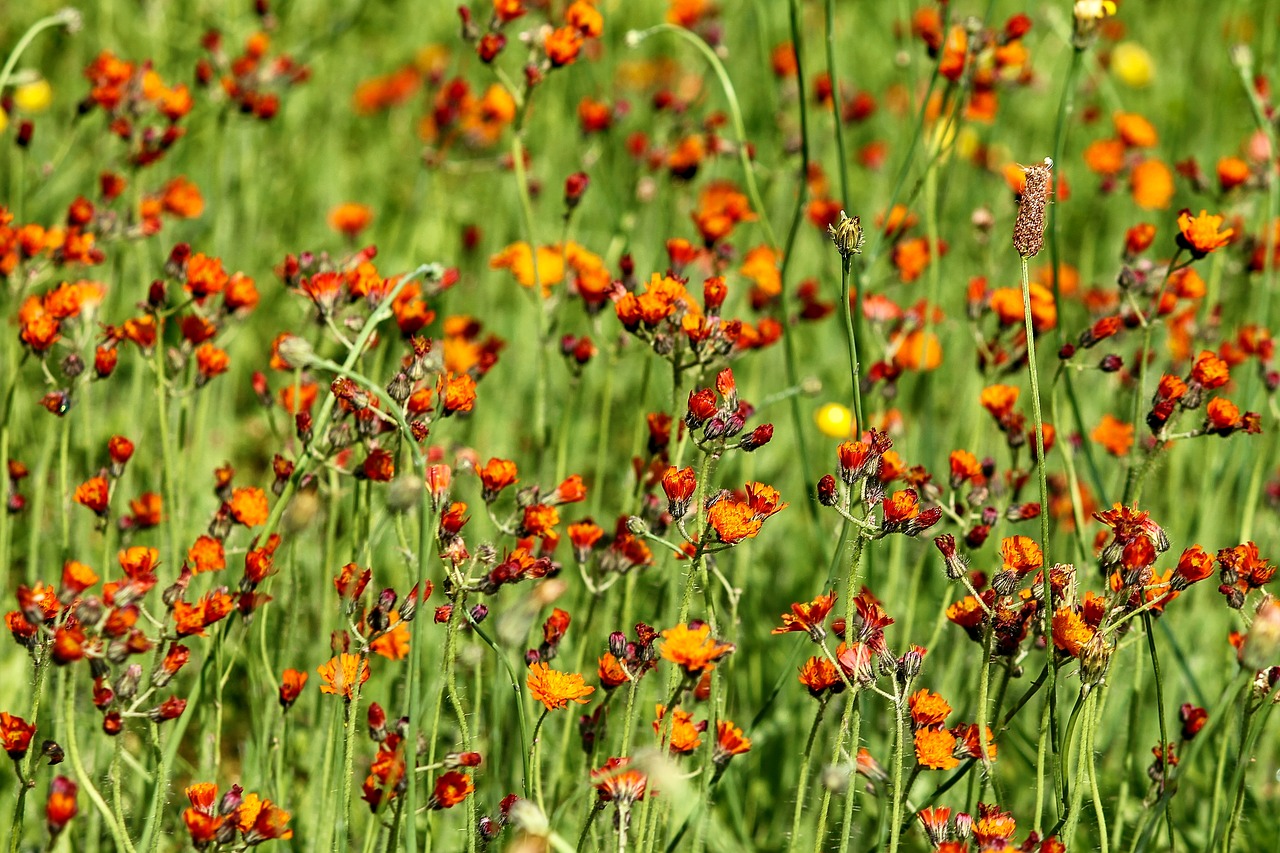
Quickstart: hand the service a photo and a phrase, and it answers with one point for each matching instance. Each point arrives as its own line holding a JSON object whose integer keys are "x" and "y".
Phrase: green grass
{"x": 268, "y": 187}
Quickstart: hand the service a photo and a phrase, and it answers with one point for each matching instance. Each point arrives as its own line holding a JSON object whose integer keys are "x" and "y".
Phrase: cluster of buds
{"x": 68, "y": 624}
{"x": 253, "y": 80}
{"x": 132, "y": 95}
{"x": 726, "y": 419}
{"x": 551, "y": 46}
{"x": 628, "y": 660}
{"x": 553, "y": 631}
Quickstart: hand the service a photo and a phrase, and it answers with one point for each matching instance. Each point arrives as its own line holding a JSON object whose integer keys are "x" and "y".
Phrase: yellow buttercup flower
{"x": 834, "y": 420}
{"x": 1132, "y": 65}
{"x": 33, "y": 97}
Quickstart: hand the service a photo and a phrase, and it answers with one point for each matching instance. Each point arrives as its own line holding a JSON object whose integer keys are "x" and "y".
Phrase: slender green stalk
{"x": 899, "y": 751}
{"x": 351, "y": 710}
{"x": 70, "y": 743}
{"x": 802, "y": 785}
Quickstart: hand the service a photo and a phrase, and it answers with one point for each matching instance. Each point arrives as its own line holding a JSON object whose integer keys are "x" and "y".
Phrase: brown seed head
{"x": 1028, "y": 230}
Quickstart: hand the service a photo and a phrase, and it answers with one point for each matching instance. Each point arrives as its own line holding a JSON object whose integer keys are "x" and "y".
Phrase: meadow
{"x": 639, "y": 425}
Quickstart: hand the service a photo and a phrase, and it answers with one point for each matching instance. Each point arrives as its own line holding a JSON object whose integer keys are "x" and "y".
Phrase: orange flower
{"x": 518, "y": 259}
{"x": 1070, "y": 632}
{"x": 350, "y": 218}
{"x": 1202, "y": 234}
{"x": 211, "y": 361}
{"x": 693, "y": 649}
{"x": 451, "y": 788}
{"x": 394, "y": 644}
{"x": 495, "y": 476}
{"x": 77, "y": 577}
{"x": 341, "y": 673}
{"x": 555, "y": 689}
{"x": 249, "y": 506}
{"x": 94, "y": 494}
{"x": 1113, "y": 434}
{"x": 291, "y": 683}
{"x": 1105, "y": 156}
{"x": 928, "y": 709}
{"x": 206, "y": 555}
{"x": 1134, "y": 130}
{"x": 15, "y": 735}
{"x": 729, "y": 742}
{"x": 685, "y": 734}
{"x": 261, "y": 820}
{"x": 1020, "y": 554}
{"x": 916, "y": 350}
{"x": 205, "y": 276}
{"x": 934, "y": 748}
{"x": 733, "y": 521}
{"x": 808, "y": 617}
{"x": 182, "y": 198}
{"x": 147, "y": 510}
{"x": 457, "y": 393}
{"x": 819, "y": 674}
{"x": 582, "y": 15}
{"x": 617, "y": 785}
{"x": 61, "y": 805}
{"x": 1232, "y": 172}
{"x": 999, "y": 400}
{"x": 1151, "y": 183}
{"x": 1210, "y": 371}
{"x": 562, "y": 45}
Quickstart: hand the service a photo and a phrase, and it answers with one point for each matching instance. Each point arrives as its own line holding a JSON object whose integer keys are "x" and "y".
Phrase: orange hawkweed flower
{"x": 618, "y": 785}
{"x": 555, "y": 689}
{"x": 350, "y": 218}
{"x": 729, "y": 742}
{"x": 693, "y": 649}
{"x": 451, "y": 788}
{"x": 249, "y": 506}
{"x": 77, "y": 577}
{"x": 343, "y": 674}
{"x": 999, "y": 400}
{"x": 1020, "y": 554}
{"x": 1070, "y": 632}
{"x": 94, "y": 494}
{"x": 206, "y": 555}
{"x": 1202, "y": 234}
{"x": 495, "y": 476}
{"x": 15, "y": 735}
{"x": 1134, "y": 130}
{"x": 928, "y": 709}
{"x": 685, "y": 733}
{"x": 1113, "y": 434}
{"x": 935, "y": 748}
{"x": 1151, "y": 183}
{"x": 819, "y": 674}
{"x": 733, "y": 521}
{"x": 211, "y": 361}
{"x": 291, "y": 683}
{"x": 563, "y": 45}
{"x": 61, "y": 805}
{"x": 808, "y": 617}
{"x": 262, "y": 820}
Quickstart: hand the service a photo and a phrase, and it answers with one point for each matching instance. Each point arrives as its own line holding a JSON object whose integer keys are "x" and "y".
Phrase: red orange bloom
{"x": 555, "y": 689}
{"x": 343, "y": 674}
{"x": 693, "y": 649}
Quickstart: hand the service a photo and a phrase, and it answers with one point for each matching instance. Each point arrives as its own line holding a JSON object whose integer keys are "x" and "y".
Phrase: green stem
{"x": 802, "y": 785}
{"x": 899, "y": 750}
{"x": 115, "y": 827}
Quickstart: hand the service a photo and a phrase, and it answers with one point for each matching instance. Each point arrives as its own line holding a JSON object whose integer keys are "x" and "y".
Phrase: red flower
{"x": 15, "y": 734}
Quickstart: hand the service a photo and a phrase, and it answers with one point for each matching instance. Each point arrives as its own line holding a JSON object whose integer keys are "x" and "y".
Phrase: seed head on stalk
{"x": 848, "y": 236}
{"x": 1028, "y": 230}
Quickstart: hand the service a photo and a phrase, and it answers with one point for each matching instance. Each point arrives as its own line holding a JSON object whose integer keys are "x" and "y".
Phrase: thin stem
{"x": 802, "y": 785}
{"x": 115, "y": 827}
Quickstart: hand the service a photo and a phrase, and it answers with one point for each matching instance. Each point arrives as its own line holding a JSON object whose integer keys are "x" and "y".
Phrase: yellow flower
{"x": 834, "y": 420}
{"x": 33, "y": 97}
{"x": 1132, "y": 65}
